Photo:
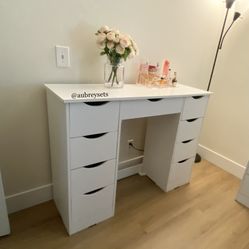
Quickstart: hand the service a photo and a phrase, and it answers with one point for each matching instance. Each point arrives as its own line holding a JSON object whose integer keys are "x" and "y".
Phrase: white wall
{"x": 226, "y": 127}
{"x": 185, "y": 31}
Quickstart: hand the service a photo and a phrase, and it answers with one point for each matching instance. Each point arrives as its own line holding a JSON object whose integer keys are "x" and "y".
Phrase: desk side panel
{"x": 58, "y": 135}
{"x": 159, "y": 146}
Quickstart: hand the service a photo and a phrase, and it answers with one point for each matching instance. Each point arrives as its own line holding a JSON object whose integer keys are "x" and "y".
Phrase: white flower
{"x": 110, "y": 36}
{"x": 129, "y": 37}
{"x": 125, "y": 42}
{"x": 110, "y": 45}
{"x": 119, "y": 49}
{"x": 116, "y": 39}
{"x": 116, "y": 45}
{"x": 135, "y": 47}
{"x": 104, "y": 29}
{"x": 101, "y": 45}
{"x": 132, "y": 54}
{"x": 101, "y": 37}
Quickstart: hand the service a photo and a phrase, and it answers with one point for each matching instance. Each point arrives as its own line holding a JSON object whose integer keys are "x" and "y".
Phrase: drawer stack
{"x": 93, "y": 145}
{"x": 186, "y": 141}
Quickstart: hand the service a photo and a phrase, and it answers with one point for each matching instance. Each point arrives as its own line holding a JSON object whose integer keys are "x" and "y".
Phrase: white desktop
{"x": 84, "y": 126}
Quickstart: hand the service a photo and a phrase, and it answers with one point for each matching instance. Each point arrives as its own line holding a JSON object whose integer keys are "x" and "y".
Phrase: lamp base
{"x": 197, "y": 158}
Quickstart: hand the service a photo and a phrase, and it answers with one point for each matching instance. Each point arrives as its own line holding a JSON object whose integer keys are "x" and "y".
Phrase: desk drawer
{"x": 92, "y": 207}
{"x": 189, "y": 129}
{"x": 180, "y": 173}
{"x": 185, "y": 149}
{"x": 150, "y": 107}
{"x": 194, "y": 107}
{"x": 93, "y": 117}
{"x": 92, "y": 177}
{"x": 92, "y": 149}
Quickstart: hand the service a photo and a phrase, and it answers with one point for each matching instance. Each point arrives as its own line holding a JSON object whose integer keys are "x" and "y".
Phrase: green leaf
{"x": 106, "y": 50}
{"x": 126, "y": 53}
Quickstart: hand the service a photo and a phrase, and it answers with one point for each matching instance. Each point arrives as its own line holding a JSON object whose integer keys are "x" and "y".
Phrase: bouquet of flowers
{"x": 117, "y": 47}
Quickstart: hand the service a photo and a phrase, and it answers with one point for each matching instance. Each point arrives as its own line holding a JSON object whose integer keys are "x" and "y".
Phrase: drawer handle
{"x": 155, "y": 100}
{"x": 95, "y": 135}
{"x": 191, "y": 120}
{"x": 96, "y": 103}
{"x": 94, "y": 191}
{"x": 187, "y": 141}
{"x": 197, "y": 97}
{"x": 182, "y": 161}
{"x": 94, "y": 165}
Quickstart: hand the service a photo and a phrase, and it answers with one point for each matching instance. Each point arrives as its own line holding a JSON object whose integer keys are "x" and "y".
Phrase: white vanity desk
{"x": 84, "y": 143}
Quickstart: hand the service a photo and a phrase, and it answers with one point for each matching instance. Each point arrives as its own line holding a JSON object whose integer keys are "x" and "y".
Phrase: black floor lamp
{"x": 229, "y": 4}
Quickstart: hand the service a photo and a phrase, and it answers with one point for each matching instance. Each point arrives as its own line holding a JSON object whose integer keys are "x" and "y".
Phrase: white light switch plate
{"x": 62, "y": 56}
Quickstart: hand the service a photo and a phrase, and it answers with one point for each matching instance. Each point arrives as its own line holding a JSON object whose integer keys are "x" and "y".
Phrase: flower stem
{"x": 113, "y": 77}
{"x": 115, "y": 69}
{"x": 109, "y": 79}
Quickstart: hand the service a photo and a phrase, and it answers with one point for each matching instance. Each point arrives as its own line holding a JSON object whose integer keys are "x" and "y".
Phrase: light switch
{"x": 62, "y": 56}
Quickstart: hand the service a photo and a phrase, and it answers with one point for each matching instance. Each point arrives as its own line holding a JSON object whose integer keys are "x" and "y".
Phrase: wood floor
{"x": 201, "y": 215}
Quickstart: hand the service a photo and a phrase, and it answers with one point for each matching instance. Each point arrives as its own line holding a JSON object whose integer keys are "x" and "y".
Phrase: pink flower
{"x": 104, "y": 29}
{"x": 119, "y": 49}
{"x": 101, "y": 37}
{"x": 116, "y": 44}
{"x": 132, "y": 54}
{"x": 134, "y": 47}
{"x": 124, "y": 42}
{"x": 110, "y": 36}
{"x": 116, "y": 39}
{"x": 110, "y": 45}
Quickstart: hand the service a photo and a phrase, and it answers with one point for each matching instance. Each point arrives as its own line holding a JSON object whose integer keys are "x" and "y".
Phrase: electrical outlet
{"x": 130, "y": 141}
{"x": 62, "y": 56}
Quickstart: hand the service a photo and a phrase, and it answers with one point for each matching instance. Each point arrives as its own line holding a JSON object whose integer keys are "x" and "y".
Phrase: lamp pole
{"x": 229, "y": 4}
{"x": 218, "y": 49}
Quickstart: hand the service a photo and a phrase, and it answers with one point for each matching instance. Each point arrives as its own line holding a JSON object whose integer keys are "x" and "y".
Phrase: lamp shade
{"x": 229, "y": 3}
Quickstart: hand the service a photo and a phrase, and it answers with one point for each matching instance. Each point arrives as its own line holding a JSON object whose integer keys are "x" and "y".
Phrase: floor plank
{"x": 202, "y": 215}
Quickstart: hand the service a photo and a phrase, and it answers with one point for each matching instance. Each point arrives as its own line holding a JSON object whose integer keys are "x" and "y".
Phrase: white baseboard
{"x": 32, "y": 197}
{"x": 130, "y": 162}
{"x": 122, "y": 173}
{"x": 28, "y": 198}
{"x": 221, "y": 161}
{"x": 35, "y": 196}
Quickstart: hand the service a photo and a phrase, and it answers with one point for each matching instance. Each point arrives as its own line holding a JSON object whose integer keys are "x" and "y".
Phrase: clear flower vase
{"x": 114, "y": 75}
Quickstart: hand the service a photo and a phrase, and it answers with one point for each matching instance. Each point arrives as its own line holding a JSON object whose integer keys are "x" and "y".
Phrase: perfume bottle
{"x": 174, "y": 80}
{"x": 168, "y": 77}
{"x": 152, "y": 70}
{"x": 165, "y": 68}
{"x": 143, "y": 73}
